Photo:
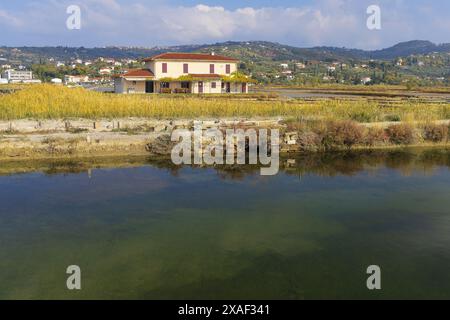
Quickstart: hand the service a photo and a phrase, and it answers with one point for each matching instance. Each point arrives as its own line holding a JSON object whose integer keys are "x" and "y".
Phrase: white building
{"x": 105, "y": 71}
{"x": 56, "y": 81}
{"x": 366, "y": 80}
{"x": 75, "y": 79}
{"x": 15, "y": 76}
{"x": 184, "y": 73}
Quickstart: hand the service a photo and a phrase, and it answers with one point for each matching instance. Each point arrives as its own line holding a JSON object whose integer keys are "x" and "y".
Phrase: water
{"x": 148, "y": 230}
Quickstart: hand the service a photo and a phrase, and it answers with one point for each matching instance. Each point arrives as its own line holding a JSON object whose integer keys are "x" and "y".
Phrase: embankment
{"x": 38, "y": 139}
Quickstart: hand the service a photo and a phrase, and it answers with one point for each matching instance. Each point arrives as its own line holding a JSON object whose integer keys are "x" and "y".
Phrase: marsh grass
{"x": 55, "y": 102}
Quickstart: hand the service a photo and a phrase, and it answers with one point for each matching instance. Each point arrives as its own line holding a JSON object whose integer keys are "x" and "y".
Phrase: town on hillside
{"x": 266, "y": 63}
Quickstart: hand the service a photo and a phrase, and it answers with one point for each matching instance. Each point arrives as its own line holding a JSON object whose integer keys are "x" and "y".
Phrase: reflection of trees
{"x": 343, "y": 163}
{"x": 348, "y": 163}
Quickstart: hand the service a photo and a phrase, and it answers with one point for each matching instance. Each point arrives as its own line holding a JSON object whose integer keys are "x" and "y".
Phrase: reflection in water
{"x": 142, "y": 228}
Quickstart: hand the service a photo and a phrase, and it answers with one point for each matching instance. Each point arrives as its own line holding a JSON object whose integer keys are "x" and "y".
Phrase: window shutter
{"x": 228, "y": 69}
{"x": 211, "y": 68}
{"x": 185, "y": 68}
{"x": 164, "y": 68}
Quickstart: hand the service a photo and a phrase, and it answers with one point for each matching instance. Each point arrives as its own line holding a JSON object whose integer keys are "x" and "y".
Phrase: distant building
{"x": 56, "y": 81}
{"x": 366, "y": 80}
{"x": 75, "y": 79}
{"x": 104, "y": 71}
{"x": 15, "y": 76}
{"x": 284, "y": 65}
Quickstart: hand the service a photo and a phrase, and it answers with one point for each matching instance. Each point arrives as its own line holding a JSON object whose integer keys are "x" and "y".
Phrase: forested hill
{"x": 258, "y": 50}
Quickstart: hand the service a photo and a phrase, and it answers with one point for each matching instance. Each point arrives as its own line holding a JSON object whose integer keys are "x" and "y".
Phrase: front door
{"x": 228, "y": 87}
{"x": 200, "y": 87}
{"x": 149, "y": 87}
{"x": 244, "y": 88}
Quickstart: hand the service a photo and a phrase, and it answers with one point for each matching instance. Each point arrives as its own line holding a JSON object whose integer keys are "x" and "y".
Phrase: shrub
{"x": 362, "y": 116}
{"x": 309, "y": 141}
{"x": 435, "y": 132}
{"x": 345, "y": 133}
{"x": 375, "y": 135}
{"x": 392, "y": 117}
{"x": 401, "y": 133}
{"x": 166, "y": 90}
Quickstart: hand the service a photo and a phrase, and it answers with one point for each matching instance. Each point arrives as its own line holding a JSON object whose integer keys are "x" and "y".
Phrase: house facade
{"x": 183, "y": 73}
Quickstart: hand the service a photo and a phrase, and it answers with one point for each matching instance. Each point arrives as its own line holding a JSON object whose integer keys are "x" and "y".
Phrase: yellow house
{"x": 183, "y": 73}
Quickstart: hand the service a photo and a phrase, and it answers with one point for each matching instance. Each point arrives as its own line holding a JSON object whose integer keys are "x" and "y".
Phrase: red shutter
{"x": 185, "y": 68}
{"x": 211, "y": 68}
{"x": 228, "y": 69}
{"x": 164, "y": 68}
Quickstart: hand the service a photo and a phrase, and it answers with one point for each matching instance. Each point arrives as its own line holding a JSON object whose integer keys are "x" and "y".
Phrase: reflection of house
{"x": 184, "y": 73}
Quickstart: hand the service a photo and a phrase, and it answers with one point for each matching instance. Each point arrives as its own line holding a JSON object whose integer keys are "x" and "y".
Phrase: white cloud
{"x": 8, "y": 19}
{"x": 325, "y": 22}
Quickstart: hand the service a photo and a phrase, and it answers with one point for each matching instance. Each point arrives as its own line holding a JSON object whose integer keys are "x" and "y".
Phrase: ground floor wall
{"x": 129, "y": 87}
{"x": 210, "y": 86}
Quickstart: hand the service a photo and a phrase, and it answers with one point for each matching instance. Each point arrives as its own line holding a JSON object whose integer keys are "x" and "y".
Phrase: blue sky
{"x": 170, "y": 22}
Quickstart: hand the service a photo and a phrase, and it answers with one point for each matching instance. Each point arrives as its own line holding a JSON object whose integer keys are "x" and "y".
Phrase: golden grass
{"x": 382, "y": 88}
{"x": 54, "y": 102}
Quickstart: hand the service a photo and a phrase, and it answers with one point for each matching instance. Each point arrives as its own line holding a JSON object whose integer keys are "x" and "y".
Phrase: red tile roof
{"x": 189, "y": 56}
{"x": 139, "y": 73}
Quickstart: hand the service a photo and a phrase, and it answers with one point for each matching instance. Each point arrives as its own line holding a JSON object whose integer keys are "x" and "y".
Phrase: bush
{"x": 401, "y": 134}
{"x": 392, "y": 117}
{"x": 435, "y": 132}
{"x": 166, "y": 90}
{"x": 344, "y": 133}
{"x": 309, "y": 141}
{"x": 375, "y": 135}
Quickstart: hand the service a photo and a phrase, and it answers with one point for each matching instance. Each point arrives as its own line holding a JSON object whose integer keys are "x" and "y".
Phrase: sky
{"x": 147, "y": 23}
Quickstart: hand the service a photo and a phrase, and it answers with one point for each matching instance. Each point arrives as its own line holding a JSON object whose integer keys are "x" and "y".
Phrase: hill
{"x": 242, "y": 50}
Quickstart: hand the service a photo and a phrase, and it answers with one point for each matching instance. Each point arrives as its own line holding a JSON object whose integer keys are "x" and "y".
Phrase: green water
{"x": 153, "y": 231}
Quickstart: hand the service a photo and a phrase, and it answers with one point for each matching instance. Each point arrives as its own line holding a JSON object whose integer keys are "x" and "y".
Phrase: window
{"x": 185, "y": 85}
{"x": 134, "y": 83}
{"x": 165, "y": 85}
{"x": 164, "y": 68}
{"x": 223, "y": 85}
{"x": 185, "y": 68}
{"x": 211, "y": 68}
{"x": 213, "y": 85}
{"x": 228, "y": 69}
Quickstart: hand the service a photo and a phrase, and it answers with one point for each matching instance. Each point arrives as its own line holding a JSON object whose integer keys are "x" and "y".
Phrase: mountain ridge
{"x": 271, "y": 50}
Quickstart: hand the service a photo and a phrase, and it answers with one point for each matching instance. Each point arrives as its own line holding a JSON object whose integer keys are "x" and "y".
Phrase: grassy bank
{"x": 381, "y": 88}
{"x": 53, "y": 102}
